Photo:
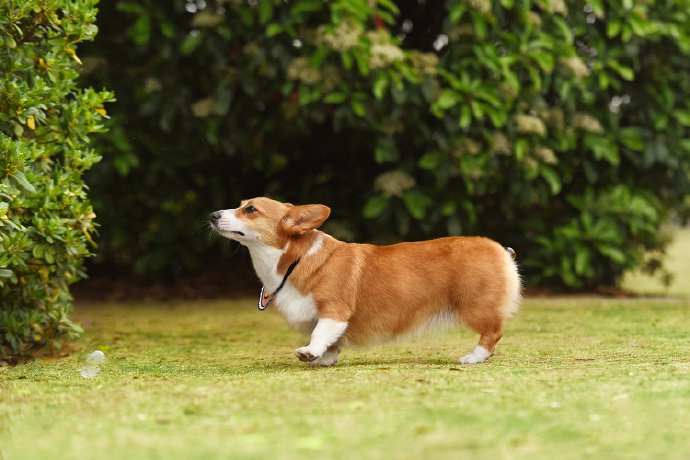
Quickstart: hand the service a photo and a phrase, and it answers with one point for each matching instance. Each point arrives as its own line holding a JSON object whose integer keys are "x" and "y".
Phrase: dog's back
{"x": 408, "y": 286}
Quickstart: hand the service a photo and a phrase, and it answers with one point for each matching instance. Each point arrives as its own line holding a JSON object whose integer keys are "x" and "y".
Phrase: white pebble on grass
{"x": 93, "y": 369}
{"x": 97, "y": 357}
{"x": 89, "y": 372}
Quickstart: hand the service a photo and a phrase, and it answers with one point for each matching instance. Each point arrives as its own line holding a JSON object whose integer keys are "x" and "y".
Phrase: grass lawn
{"x": 572, "y": 378}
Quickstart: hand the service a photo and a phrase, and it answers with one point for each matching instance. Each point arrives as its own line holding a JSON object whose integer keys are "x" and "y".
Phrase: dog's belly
{"x": 400, "y": 327}
{"x": 299, "y": 310}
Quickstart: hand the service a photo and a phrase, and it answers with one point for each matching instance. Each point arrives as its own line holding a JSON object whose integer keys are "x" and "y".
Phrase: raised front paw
{"x": 306, "y": 354}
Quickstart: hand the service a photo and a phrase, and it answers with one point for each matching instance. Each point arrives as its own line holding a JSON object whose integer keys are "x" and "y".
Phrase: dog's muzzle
{"x": 214, "y": 219}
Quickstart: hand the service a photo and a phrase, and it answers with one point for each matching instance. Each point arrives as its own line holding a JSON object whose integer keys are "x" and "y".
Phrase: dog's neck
{"x": 265, "y": 261}
{"x": 271, "y": 263}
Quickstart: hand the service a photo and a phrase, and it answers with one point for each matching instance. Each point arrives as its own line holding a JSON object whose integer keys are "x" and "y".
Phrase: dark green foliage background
{"x": 45, "y": 124}
{"x": 557, "y": 127}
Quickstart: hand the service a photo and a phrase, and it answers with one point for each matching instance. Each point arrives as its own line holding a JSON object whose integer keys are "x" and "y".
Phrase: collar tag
{"x": 265, "y": 299}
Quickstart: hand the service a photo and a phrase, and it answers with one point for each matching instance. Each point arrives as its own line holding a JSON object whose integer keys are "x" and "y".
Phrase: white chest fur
{"x": 299, "y": 310}
{"x": 265, "y": 260}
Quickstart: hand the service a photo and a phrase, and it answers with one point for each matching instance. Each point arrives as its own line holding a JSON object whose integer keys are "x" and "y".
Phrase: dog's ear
{"x": 301, "y": 219}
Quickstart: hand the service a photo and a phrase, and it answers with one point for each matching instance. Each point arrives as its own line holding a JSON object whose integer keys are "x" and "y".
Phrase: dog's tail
{"x": 513, "y": 284}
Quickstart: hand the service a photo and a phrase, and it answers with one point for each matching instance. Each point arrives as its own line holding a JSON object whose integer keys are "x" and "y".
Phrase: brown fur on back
{"x": 384, "y": 291}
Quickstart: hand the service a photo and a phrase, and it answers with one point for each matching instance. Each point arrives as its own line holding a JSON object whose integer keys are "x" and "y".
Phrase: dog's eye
{"x": 250, "y": 209}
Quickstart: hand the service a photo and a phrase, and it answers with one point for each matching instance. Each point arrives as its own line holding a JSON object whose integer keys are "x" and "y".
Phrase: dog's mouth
{"x": 217, "y": 228}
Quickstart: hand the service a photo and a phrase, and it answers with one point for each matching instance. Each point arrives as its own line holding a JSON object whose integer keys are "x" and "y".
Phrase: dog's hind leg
{"x": 486, "y": 346}
{"x": 487, "y": 320}
{"x": 486, "y": 314}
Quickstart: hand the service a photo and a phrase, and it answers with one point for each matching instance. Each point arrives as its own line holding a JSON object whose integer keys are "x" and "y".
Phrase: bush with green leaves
{"x": 558, "y": 127}
{"x": 46, "y": 220}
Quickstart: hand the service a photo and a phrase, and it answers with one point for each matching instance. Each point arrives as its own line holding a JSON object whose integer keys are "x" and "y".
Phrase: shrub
{"x": 557, "y": 127}
{"x": 46, "y": 220}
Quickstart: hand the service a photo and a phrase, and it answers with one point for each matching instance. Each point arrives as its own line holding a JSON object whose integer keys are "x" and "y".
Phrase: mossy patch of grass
{"x": 572, "y": 378}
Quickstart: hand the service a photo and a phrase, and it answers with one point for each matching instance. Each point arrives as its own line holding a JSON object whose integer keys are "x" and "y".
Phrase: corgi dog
{"x": 347, "y": 293}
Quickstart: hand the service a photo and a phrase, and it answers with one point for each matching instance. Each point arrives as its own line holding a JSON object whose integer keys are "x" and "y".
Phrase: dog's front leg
{"x": 327, "y": 332}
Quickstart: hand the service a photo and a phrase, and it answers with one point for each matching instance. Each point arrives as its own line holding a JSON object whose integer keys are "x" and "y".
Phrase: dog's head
{"x": 269, "y": 222}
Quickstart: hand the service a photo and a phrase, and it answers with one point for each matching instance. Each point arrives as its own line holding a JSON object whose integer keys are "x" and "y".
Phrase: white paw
{"x": 330, "y": 358}
{"x": 478, "y": 355}
{"x": 307, "y": 354}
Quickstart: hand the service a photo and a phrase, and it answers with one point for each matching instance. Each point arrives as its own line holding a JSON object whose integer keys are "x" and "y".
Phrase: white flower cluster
{"x": 393, "y": 183}
{"x": 383, "y": 52}
{"x": 203, "y": 107}
{"x": 207, "y": 18}
{"x": 530, "y": 163}
{"x": 588, "y": 123}
{"x": 301, "y": 70}
{"x": 379, "y": 37}
{"x": 467, "y": 146}
{"x": 384, "y": 55}
{"x": 558, "y": 6}
{"x": 546, "y": 155}
{"x": 483, "y": 6}
{"x": 534, "y": 18}
{"x": 529, "y": 124}
{"x": 500, "y": 145}
{"x": 152, "y": 85}
{"x": 576, "y": 66}
{"x": 344, "y": 36}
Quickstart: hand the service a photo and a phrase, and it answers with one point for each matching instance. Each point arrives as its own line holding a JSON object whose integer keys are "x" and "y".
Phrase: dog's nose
{"x": 214, "y": 215}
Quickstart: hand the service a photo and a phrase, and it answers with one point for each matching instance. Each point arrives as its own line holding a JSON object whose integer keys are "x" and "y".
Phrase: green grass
{"x": 572, "y": 378}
